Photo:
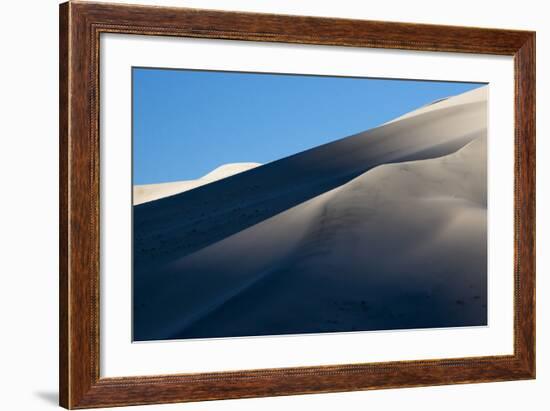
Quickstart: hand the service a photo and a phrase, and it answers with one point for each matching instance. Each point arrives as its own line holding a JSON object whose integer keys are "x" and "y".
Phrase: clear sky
{"x": 186, "y": 123}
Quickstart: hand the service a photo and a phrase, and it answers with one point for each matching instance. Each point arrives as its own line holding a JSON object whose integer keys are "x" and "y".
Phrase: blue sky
{"x": 186, "y": 122}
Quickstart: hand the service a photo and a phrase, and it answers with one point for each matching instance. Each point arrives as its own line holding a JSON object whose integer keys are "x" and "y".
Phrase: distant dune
{"x": 382, "y": 230}
{"x": 150, "y": 192}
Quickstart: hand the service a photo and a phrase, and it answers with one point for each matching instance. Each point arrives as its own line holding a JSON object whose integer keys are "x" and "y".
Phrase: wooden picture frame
{"x": 81, "y": 24}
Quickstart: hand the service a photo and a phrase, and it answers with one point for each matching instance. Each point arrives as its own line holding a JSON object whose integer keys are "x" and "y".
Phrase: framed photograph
{"x": 258, "y": 205}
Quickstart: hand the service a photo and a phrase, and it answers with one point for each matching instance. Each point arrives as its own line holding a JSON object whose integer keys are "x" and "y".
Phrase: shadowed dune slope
{"x": 396, "y": 246}
{"x": 184, "y": 223}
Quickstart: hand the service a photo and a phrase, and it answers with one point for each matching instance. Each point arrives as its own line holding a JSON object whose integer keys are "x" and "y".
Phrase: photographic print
{"x": 276, "y": 204}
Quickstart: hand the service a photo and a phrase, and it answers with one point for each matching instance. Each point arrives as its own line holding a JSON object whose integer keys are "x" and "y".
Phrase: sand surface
{"x": 150, "y": 192}
{"x": 382, "y": 230}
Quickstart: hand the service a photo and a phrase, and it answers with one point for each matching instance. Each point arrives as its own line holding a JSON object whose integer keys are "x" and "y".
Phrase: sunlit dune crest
{"x": 150, "y": 192}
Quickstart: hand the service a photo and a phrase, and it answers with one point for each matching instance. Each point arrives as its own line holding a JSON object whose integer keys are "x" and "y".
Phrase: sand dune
{"x": 150, "y": 192}
{"x": 397, "y": 240}
{"x": 184, "y": 223}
